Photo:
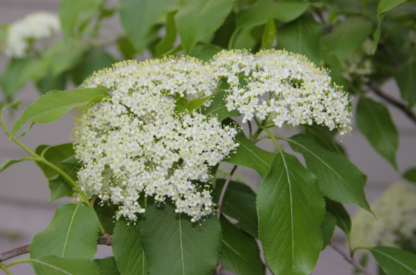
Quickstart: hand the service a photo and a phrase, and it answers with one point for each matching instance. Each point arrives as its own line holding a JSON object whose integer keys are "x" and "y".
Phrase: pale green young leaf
{"x": 55, "y": 104}
{"x": 394, "y": 261}
{"x": 240, "y": 253}
{"x": 375, "y": 123}
{"x": 138, "y": 17}
{"x": 347, "y": 36}
{"x": 328, "y": 228}
{"x": 51, "y": 265}
{"x": 410, "y": 174}
{"x": 301, "y": 36}
{"x": 338, "y": 178}
{"x": 218, "y": 108}
{"x": 193, "y": 17}
{"x": 8, "y": 162}
{"x": 75, "y": 14}
{"x": 290, "y": 210}
{"x": 259, "y": 12}
{"x": 239, "y": 203}
{"x": 72, "y": 233}
{"x": 127, "y": 248}
{"x": 341, "y": 214}
{"x": 249, "y": 155}
{"x": 269, "y": 34}
{"x": 406, "y": 79}
{"x": 169, "y": 39}
{"x": 176, "y": 246}
{"x": 107, "y": 266}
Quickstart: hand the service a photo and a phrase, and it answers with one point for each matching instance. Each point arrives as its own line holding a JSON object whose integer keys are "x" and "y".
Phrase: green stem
{"x": 250, "y": 129}
{"x": 273, "y": 138}
{"x": 18, "y": 262}
{"x": 4, "y": 268}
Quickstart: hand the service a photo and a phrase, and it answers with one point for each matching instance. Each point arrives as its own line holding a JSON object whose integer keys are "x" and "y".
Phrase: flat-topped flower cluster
{"x": 21, "y": 35}
{"x": 136, "y": 141}
{"x": 286, "y": 87}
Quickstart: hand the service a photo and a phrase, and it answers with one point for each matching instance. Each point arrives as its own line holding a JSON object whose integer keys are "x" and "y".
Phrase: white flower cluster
{"x": 396, "y": 218}
{"x": 136, "y": 142}
{"x": 23, "y": 33}
{"x": 297, "y": 91}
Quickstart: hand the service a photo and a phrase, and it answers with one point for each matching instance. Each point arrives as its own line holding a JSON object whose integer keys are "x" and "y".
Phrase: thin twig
{"x": 402, "y": 107}
{"x": 349, "y": 259}
{"x": 104, "y": 240}
{"x": 223, "y": 191}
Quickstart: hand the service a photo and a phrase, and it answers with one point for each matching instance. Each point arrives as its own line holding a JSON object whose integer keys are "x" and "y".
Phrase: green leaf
{"x": 249, "y": 155}
{"x": 51, "y": 265}
{"x": 375, "y": 123}
{"x": 72, "y": 233}
{"x": 127, "y": 248}
{"x": 75, "y": 14}
{"x": 106, "y": 213}
{"x": 239, "y": 203}
{"x": 290, "y": 210}
{"x": 363, "y": 262}
{"x": 406, "y": 79}
{"x": 59, "y": 186}
{"x": 343, "y": 218}
{"x": 269, "y": 35}
{"x": 338, "y": 178}
{"x": 323, "y": 136}
{"x": 409, "y": 174}
{"x": 328, "y": 228}
{"x": 192, "y": 18}
{"x": 301, "y": 36}
{"x": 382, "y": 8}
{"x": 138, "y": 17}
{"x": 53, "y": 154}
{"x": 169, "y": 39}
{"x": 176, "y": 246}
{"x": 213, "y": 175}
{"x": 7, "y": 163}
{"x": 197, "y": 103}
{"x": 205, "y": 52}
{"x": 394, "y": 261}
{"x": 94, "y": 60}
{"x": 239, "y": 253}
{"x": 15, "y": 76}
{"x": 258, "y": 13}
{"x": 181, "y": 104}
{"x": 107, "y": 266}
{"x": 218, "y": 108}
{"x": 347, "y": 36}
{"x": 55, "y": 104}
{"x": 127, "y": 49}
{"x": 50, "y": 82}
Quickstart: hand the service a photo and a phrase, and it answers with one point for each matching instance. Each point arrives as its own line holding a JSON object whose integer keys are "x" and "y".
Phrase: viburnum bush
{"x": 149, "y": 136}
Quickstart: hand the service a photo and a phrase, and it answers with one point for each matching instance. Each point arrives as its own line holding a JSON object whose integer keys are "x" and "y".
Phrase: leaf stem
{"x": 4, "y": 268}
{"x": 224, "y": 188}
{"x": 349, "y": 259}
{"x": 21, "y": 261}
{"x": 273, "y": 138}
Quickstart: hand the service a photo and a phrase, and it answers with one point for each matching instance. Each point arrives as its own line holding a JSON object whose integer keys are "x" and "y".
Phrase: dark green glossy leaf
{"x": 406, "y": 79}
{"x": 72, "y": 233}
{"x": 269, "y": 34}
{"x": 94, "y": 60}
{"x": 290, "y": 210}
{"x": 347, "y": 36}
{"x": 249, "y": 155}
{"x": 169, "y": 39}
{"x": 239, "y": 203}
{"x": 338, "y": 178}
{"x": 375, "y": 123}
{"x": 176, "y": 246}
{"x": 239, "y": 253}
{"x": 107, "y": 266}
{"x": 106, "y": 213}
{"x": 343, "y": 218}
{"x": 301, "y": 36}
{"x": 127, "y": 248}
{"x": 218, "y": 108}
{"x": 259, "y": 12}
{"x": 394, "y": 261}
{"x": 323, "y": 136}
{"x": 55, "y": 104}
{"x": 138, "y": 17}
{"x": 192, "y": 18}
{"x": 410, "y": 174}
{"x": 52, "y": 265}
{"x": 75, "y": 14}
{"x": 59, "y": 186}
{"x": 328, "y": 228}
{"x": 53, "y": 154}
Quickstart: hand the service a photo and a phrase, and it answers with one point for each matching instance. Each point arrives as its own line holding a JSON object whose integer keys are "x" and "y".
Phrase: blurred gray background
{"x": 24, "y": 193}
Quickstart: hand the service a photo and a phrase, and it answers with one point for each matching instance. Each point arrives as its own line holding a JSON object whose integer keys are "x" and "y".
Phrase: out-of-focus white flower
{"x": 358, "y": 65}
{"x": 297, "y": 91}
{"x": 34, "y": 27}
{"x": 396, "y": 218}
{"x": 136, "y": 142}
